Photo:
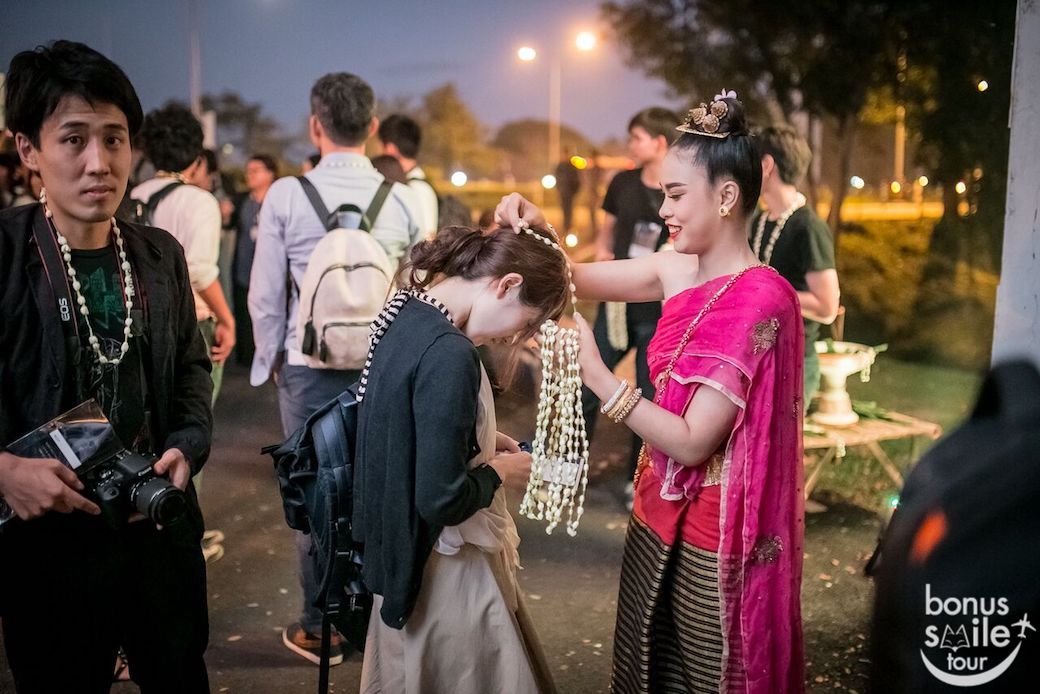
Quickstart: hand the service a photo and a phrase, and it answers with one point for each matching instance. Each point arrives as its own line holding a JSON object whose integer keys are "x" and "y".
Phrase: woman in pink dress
{"x": 710, "y": 579}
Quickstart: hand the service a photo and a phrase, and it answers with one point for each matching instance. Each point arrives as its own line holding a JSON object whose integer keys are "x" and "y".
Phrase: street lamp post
{"x": 584, "y": 41}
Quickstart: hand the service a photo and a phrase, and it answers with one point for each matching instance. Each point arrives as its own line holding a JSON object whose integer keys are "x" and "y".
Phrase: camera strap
{"x": 57, "y": 278}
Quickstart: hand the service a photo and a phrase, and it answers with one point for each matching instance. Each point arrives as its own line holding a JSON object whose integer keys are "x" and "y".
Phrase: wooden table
{"x": 824, "y": 444}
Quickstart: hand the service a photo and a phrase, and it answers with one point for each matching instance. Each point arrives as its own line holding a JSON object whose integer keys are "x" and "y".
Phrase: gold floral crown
{"x": 706, "y": 119}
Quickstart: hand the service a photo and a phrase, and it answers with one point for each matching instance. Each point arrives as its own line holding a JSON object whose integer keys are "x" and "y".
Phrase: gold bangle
{"x": 630, "y": 404}
{"x": 609, "y": 404}
{"x": 620, "y": 404}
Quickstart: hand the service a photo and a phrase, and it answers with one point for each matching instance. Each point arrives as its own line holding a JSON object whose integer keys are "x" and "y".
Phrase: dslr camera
{"x": 119, "y": 481}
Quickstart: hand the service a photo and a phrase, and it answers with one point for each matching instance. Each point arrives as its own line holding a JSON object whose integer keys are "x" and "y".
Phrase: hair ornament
{"x": 707, "y": 119}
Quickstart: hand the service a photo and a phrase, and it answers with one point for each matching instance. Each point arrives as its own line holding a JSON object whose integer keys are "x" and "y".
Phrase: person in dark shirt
{"x": 131, "y": 342}
{"x": 632, "y": 228}
{"x": 788, "y": 235}
{"x": 568, "y": 183}
{"x": 440, "y": 543}
{"x": 261, "y": 172}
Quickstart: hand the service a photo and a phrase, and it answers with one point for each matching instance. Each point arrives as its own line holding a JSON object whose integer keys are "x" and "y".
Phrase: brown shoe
{"x": 302, "y": 642}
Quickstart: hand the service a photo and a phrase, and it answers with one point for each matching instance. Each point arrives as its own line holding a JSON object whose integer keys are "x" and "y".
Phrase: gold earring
{"x": 723, "y": 211}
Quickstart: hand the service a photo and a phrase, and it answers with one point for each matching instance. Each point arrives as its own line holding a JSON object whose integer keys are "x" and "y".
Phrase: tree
{"x": 815, "y": 56}
{"x": 524, "y": 142}
{"x": 244, "y": 125}
{"x": 452, "y": 135}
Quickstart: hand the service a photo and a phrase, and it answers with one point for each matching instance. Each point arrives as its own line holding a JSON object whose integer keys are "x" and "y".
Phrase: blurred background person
{"x": 261, "y": 172}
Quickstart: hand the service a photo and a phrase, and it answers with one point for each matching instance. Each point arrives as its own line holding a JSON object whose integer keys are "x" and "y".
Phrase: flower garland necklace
{"x": 799, "y": 203}
{"x": 560, "y": 452}
{"x": 81, "y": 301}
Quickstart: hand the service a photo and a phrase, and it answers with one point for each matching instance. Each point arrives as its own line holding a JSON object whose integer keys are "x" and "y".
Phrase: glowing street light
{"x": 961, "y": 188}
{"x": 896, "y": 187}
{"x": 459, "y": 178}
{"x": 983, "y": 85}
{"x": 526, "y": 54}
{"x": 571, "y": 240}
{"x": 580, "y": 163}
{"x": 585, "y": 41}
{"x": 548, "y": 181}
{"x": 857, "y": 182}
{"x": 922, "y": 181}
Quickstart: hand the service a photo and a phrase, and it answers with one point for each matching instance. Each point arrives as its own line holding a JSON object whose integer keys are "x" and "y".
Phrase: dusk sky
{"x": 271, "y": 51}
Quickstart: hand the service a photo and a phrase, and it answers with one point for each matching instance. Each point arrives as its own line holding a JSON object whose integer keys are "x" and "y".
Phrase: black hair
{"x": 735, "y": 156}
{"x": 37, "y": 80}
{"x": 172, "y": 137}
{"x": 212, "y": 164}
{"x": 391, "y": 168}
{"x": 789, "y": 150}
{"x": 314, "y": 159}
{"x": 656, "y": 120}
{"x": 269, "y": 162}
{"x": 402, "y": 131}
{"x": 343, "y": 104}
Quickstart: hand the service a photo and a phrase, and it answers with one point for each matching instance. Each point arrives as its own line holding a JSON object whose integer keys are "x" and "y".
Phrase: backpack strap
{"x": 368, "y": 219}
{"x": 157, "y": 197}
{"x": 316, "y": 202}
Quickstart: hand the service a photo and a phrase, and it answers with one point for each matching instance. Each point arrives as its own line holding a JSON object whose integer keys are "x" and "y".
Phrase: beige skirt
{"x": 463, "y": 636}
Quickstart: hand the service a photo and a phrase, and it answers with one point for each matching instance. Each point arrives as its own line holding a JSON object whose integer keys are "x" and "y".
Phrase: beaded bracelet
{"x": 630, "y": 404}
{"x": 609, "y": 405}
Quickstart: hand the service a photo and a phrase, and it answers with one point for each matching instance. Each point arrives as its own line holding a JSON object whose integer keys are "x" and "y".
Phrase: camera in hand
{"x": 119, "y": 481}
{"x": 126, "y": 483}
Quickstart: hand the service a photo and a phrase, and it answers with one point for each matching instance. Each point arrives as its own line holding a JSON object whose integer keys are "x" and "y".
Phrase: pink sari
{"x": 749, "y": 347}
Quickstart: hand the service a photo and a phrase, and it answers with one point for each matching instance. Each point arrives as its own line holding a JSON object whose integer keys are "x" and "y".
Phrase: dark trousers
{"x": 567, "y": 205}
{"x": 639, "y": 335}
{"x": 72, "y": 591}
{"x": 244, "y": 346}
{"x": 301, "y": 391}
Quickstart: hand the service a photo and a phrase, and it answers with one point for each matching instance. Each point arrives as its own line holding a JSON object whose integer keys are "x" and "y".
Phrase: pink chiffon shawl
{"x": 749, "y": 347}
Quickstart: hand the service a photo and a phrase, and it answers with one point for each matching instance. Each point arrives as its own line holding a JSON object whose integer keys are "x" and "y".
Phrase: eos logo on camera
{"x": 968, "y": 628}
{"x": 63, "y": 307}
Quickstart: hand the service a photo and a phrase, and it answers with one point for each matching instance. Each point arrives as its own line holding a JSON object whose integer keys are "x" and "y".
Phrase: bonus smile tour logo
{"x": 970, "y": 641}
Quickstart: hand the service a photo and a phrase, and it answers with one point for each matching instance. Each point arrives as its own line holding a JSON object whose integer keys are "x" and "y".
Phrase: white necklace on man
{"x": 799, "y": 203}
{"x": 128, "y": 288}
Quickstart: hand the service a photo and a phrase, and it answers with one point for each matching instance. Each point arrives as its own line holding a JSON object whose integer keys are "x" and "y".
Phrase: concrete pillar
{"x": 1017, "y": 330}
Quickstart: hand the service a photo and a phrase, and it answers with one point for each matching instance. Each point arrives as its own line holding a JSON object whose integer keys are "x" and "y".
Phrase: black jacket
{"x": 416, "y": 435}
{"x": 35, "y": 378}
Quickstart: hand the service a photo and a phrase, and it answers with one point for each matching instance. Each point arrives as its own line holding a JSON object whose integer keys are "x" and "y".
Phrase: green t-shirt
{"x": 118, "y": 390}
{"x": 805, "y": 245}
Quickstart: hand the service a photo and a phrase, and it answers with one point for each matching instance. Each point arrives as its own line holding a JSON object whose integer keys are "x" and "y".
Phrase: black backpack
{"x": 450, "y": 210}
{"x": 967, "y": 534}
{"x": 315, "y": 469}
{"x": 141, "y": 211}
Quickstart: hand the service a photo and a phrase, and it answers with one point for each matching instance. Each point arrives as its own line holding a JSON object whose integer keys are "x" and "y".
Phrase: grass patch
{"x": 940, "y": 394}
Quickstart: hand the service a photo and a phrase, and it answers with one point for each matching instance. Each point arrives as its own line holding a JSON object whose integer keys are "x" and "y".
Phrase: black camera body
{"x": 126, "y": 483}
{"x": 118, "y": 480}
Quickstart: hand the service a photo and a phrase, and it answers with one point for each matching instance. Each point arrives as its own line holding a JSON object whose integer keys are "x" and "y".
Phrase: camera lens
{"x": 159, "y": 500}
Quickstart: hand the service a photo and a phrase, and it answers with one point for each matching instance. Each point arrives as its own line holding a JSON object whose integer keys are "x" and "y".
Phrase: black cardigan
{"x": 416, "y": 435}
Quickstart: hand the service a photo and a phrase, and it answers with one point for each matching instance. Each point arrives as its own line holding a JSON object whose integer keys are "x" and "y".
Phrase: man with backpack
{"x": 318, "y": 281}
{"x": 173, "y": 142}
{"x": 401, "y": 138}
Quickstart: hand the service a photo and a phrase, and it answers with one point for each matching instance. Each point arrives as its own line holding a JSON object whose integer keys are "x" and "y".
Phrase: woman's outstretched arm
{"x": 632, "y": 280}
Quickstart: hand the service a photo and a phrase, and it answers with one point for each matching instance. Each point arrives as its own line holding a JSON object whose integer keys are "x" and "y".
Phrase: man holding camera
{"x": 95, "y": 309}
